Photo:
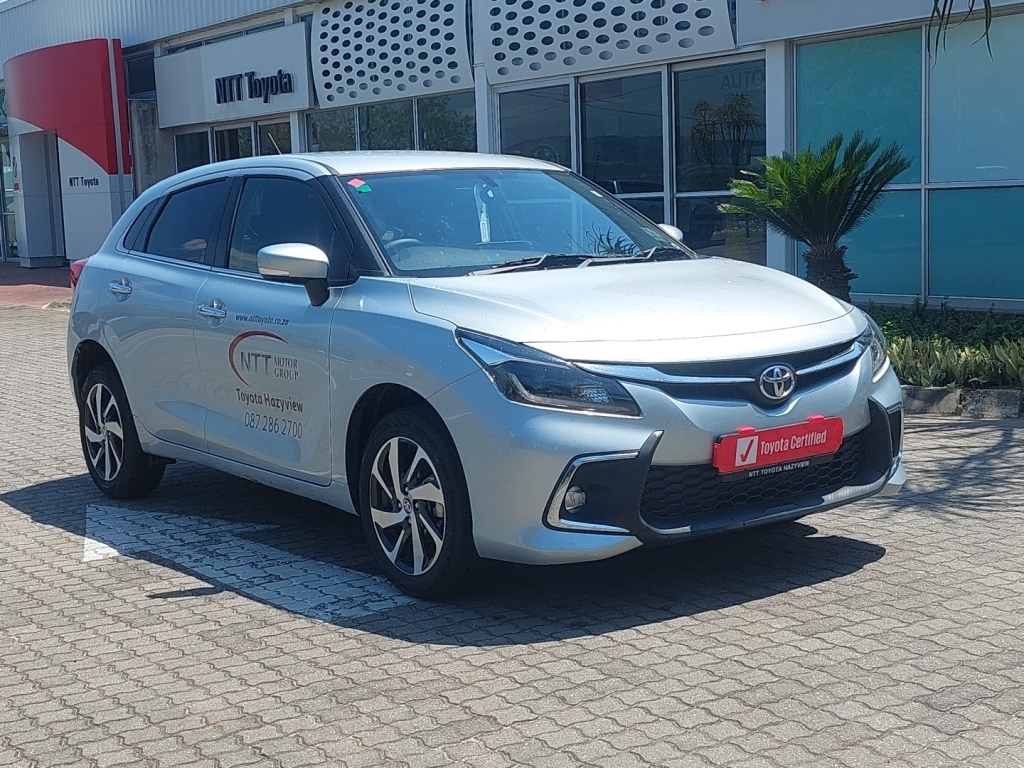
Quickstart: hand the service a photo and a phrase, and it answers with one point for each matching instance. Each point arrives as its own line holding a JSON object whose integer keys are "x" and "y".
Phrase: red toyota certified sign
{"x": 750, "y": 449}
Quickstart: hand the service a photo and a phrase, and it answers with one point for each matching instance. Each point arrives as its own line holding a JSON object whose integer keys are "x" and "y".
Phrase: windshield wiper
{"x": 568, "y": 260}
{"x": 657, "y": 253}
{"x": 546, "y": 261}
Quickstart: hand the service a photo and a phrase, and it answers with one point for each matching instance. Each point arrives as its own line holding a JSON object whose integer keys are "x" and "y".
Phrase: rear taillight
{"x": 76, "y": 272}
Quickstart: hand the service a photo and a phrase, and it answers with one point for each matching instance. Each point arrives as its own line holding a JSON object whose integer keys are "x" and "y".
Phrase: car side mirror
{"x": 296, "y": 263}
{"x": 674, "y": 232}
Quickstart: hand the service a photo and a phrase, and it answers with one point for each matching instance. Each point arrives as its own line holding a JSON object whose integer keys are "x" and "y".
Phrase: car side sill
{"x": 336, "y": 494}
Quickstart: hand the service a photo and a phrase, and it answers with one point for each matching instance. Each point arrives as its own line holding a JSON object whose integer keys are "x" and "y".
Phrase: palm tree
{"x": 942, "y": 13}
{"x": 818, "y": 197}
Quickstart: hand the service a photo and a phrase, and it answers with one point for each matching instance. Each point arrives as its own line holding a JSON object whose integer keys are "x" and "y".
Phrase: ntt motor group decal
{"x": 238, "y": 340}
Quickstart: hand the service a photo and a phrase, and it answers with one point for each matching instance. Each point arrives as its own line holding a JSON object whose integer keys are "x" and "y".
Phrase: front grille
{"x": 752, "y": 368}
{"x": 673, "y": 494}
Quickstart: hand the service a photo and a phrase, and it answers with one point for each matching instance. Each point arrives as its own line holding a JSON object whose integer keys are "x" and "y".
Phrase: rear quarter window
{"x": 184, "y": 228}
{"x": 138, "y": 227}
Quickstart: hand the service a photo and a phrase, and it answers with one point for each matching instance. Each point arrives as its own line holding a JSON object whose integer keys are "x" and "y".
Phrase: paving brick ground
{"x": 33, "y": 287}
{"x": 242, "y": 626}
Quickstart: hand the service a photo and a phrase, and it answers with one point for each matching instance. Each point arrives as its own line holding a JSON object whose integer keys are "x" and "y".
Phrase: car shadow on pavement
{"x": 311, "y": 560}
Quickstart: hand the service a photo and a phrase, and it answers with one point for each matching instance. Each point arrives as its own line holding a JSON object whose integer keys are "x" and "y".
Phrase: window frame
{"x": 670, "y": 193}
{"x": 215, "y": 231}
{"x": 342, "y": 260}
{"x": 357, "y": 122}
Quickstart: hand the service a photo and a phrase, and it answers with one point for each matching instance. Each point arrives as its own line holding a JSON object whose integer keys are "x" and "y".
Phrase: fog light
{"x": 575, "y": 498}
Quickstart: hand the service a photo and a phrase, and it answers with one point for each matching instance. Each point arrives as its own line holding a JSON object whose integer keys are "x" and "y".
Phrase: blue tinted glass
{"x": 885, "y": 251}
{"x": 870, "y": 84}
{"x": 712, "y": 233}
{"x": 462, "y": 220}
{"x": 976, "y": 248}
{"x": 975, "y": 105}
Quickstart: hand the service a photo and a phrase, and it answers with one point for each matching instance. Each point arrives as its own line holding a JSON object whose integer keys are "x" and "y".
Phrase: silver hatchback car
{"x": 483, "y": 356}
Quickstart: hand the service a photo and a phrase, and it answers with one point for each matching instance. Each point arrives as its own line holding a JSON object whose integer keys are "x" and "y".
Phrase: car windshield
{"x": 455, "y": 222}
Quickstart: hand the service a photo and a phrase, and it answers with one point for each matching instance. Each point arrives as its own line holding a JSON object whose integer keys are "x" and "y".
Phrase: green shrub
{"x": 944, "y": 363}
{"x": 946, "y": 347}
{"x": 971, "y": 329}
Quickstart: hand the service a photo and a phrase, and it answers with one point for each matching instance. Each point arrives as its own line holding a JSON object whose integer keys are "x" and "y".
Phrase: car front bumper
{"x": 520, "y": 462}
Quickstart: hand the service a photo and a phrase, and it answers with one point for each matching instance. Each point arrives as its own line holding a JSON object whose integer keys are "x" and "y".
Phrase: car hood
{"x": 702, "y": 309}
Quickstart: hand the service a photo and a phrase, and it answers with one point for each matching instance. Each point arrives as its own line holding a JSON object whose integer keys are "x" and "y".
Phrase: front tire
{"x": 415, "y": 505}
{"x": 115, "y": 459}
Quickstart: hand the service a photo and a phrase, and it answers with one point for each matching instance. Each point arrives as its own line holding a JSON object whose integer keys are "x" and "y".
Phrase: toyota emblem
{"x": 777, "y": 383}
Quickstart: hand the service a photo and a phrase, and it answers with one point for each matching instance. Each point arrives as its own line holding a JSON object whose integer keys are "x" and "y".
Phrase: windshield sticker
{"x": 359, "y": 185}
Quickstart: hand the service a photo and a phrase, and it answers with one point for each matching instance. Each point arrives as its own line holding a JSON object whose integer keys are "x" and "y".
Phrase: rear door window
{"x": 185, "y": 228}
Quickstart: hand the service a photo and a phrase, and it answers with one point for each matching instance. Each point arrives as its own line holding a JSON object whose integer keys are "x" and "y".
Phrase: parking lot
{"x": 219, "y": 623}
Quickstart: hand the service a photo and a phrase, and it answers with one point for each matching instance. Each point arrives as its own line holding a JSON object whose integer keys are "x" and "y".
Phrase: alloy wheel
{"x": 104, "y": 432}
{"x": 407, "y": 506}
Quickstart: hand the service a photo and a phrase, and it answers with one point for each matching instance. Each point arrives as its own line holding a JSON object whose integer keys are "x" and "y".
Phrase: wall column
{"x": 778, "y": 131}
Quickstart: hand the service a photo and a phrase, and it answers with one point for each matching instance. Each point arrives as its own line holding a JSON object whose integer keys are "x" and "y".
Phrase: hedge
{"x": 951, "y": 348}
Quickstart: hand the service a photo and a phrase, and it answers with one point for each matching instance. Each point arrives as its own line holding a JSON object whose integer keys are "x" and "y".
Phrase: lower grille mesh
{"x": 673, "y": 494}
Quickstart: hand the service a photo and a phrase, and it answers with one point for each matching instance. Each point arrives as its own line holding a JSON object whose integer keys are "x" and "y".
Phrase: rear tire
{"x": 110, "y": 443}
{"x": 418, "y": 524}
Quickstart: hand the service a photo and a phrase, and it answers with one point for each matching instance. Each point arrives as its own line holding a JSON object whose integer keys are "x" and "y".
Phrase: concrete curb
{"x": 968, "y": 403}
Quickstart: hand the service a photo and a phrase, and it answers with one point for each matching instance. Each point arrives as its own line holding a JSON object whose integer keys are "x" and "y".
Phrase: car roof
{"x": 353, "y": 163}
{"x": 345, "y": 163}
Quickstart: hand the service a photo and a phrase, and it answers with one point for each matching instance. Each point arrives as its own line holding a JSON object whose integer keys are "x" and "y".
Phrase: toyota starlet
{"x": 484, "y": 357}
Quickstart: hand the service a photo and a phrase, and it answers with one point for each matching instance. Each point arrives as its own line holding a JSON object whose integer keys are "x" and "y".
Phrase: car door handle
{"x": 214, "y": 311}
{"x": 121, "y": 288}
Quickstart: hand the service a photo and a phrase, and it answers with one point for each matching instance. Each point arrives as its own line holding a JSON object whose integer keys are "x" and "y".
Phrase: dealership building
{"x": 661, "y": 102}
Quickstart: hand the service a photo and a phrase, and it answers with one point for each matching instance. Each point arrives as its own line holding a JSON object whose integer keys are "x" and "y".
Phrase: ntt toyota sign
{"x": 255, "y": 87}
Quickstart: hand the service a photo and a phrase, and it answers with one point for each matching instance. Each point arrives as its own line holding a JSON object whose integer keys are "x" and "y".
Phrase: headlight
{"x": 526, "y": 375}
{"x": 874, "y": 339}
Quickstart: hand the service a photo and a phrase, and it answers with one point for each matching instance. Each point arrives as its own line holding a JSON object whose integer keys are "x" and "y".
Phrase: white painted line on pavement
{"x": 215, "y": 550}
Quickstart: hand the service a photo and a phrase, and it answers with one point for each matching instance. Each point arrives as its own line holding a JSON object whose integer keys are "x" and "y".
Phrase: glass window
{"x": 720, "y": 116}
{"x": 332, "y": 131}
{"x": 707, "y": 231}
{"x": 8, "y": 238}
{"x": 191, "y": 150}
{"x": 275, "y": 138}
{"x": 651, "y": 207}
{"x": 535, "y": 123}
{"x": 975, "y": 105}
{"x": 185, "y": 225}
{"x": 448, "y": 123}
{"x": 6, "y": 178}
{"x": 276, "y": 211}
{"x": 3, "y": 111}
{"x": 622, "y": 148}
{"x": 386, "y": 126}
{"x": 976, "y": 248}
{"x": 885, "y": 251}
{"x": 233, "y": 143}
{"x": 870, "y": 84}
{"x": 140, "y": 75}
{"x": 452, "y": 222}
{"x": 137, "y": 230}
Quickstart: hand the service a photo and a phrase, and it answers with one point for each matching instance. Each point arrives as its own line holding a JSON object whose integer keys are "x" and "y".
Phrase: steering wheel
{"x": 403, "y": 242}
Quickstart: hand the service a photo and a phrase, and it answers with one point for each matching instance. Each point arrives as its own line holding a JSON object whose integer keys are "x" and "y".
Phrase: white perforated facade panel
{"x": 525, "y": 39}
{"x": 377, "y": 50}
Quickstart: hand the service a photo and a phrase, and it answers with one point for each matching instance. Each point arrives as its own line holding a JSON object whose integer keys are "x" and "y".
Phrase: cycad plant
{"x": 819, "y": 196}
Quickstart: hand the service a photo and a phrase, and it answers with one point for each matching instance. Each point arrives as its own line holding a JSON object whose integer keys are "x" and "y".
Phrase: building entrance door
{"x": 8, "y": 238}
